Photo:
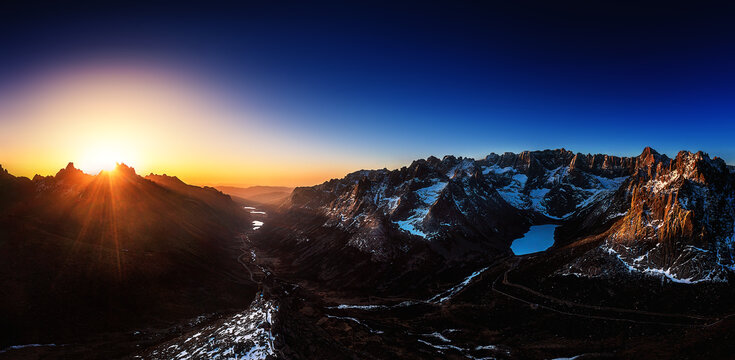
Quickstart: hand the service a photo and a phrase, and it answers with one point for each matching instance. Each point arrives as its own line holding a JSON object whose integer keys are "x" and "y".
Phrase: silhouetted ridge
{"x": 165, "y": 178}
{"x": 123, "y": 169}
{"x": 78, "y": 245}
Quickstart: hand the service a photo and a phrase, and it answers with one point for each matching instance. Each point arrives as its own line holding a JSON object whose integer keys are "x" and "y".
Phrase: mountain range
{"x": 642, "y": 245}
{"x": 408, "y": 263}
{"x": 651, "y": 214}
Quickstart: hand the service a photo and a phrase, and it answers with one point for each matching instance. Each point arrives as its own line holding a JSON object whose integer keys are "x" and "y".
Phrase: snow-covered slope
{"x": 245, "y": 335}
{"x": 491, "y": 199}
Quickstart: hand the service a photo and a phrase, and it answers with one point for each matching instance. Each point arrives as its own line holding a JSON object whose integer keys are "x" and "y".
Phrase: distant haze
{"x": 269, "y": 195}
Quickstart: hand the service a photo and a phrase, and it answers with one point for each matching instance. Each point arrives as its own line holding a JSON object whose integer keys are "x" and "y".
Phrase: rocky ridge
{"x": 660, "y": 216}
{"x": 676, "y": 220}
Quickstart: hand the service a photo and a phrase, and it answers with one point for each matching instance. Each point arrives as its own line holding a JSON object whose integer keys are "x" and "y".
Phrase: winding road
{"x": 537, "y": 299}
{"x": 503, "y": 286}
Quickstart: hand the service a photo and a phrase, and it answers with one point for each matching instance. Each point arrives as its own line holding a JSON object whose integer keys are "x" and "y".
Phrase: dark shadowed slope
{"x": 86, "y": 254}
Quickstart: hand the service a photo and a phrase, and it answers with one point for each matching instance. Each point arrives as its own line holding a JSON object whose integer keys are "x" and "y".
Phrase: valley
{"x": 367, "y": 180}
{"x": 516, "y": 256}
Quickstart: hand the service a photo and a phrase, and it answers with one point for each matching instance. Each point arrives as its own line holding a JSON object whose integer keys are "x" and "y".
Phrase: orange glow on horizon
{"x": 157, "y": 121}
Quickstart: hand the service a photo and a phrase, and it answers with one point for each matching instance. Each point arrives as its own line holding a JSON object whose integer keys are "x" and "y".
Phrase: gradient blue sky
{"x": 387, "y": 83}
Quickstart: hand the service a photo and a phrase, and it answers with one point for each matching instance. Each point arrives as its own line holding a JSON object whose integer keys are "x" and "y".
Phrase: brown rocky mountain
{"x": 674, "y": 218}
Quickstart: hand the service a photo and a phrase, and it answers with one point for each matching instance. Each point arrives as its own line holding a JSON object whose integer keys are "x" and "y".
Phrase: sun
{"x": 99, "y": 158}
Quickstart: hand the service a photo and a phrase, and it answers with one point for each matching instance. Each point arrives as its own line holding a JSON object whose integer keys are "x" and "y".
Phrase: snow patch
{"x": 356, "y": 321}
{"x": 246, "y": 335}
{"x": 448, "y": 294}
{"x": 360, "y": 307}
{"x": 439, "y": 336}
{"x": 18, "y": 347}
{"x": 639, "y": 265}
{"x": 495, "y": 169}
{"x": 427, "y": 196}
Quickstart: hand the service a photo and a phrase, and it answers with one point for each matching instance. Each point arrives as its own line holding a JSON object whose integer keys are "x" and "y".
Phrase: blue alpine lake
{"x": 538, "y": 238}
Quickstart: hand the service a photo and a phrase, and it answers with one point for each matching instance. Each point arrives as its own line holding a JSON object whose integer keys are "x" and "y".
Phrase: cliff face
{"x": 678, "y": 219}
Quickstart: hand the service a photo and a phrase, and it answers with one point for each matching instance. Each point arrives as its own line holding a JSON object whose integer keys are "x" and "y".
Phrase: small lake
{"x": 538, "y": 238}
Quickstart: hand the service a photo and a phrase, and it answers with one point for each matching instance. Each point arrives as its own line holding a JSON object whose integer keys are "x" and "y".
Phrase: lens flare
{"x": 99, "y": 158}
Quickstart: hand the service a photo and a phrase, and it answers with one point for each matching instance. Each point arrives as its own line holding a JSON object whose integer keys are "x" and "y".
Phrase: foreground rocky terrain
{"x": 416, "y": 263}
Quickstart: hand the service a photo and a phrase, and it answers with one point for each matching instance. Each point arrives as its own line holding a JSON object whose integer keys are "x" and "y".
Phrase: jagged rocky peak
{"x": 164, "y": 178}
{"x": 655, "y": 214}
{"x": 579, "y": 161}
{"x": 490, "y": 159}
{"x": 680, "y": 219}
{"x": 699, "y": 167}
{"x": 650, "y": 156}
{"x": 69, "y": 169}
{"x": 496, "y": 197}
{"x": 535, "y": 163}
{"x": 601, "y": 164}
{"x": 69, "y": 175}
{"x": 4, "y": 173}
{"x": 123, "y": 169}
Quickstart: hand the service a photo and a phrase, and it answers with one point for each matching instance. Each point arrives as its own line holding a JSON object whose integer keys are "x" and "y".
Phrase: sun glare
{"x": 102, "y": 158}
